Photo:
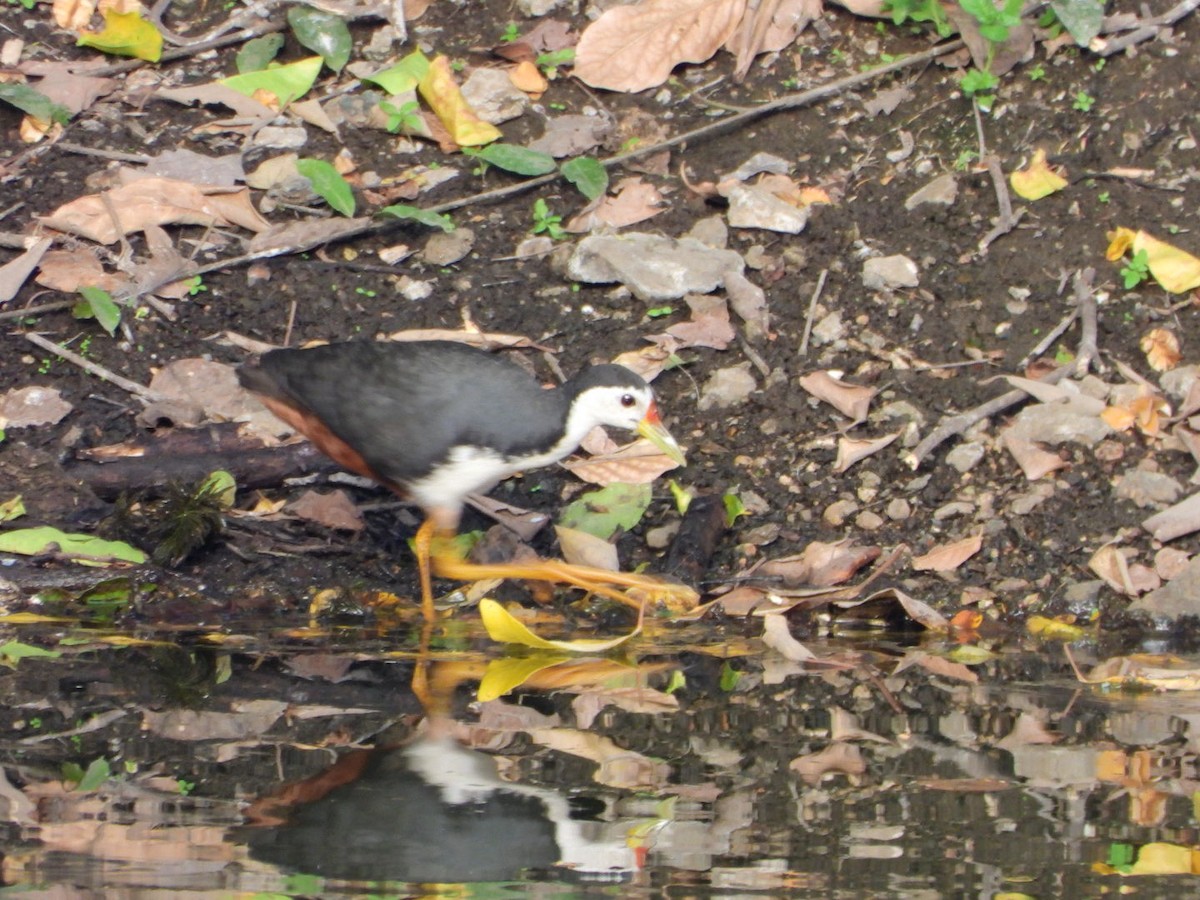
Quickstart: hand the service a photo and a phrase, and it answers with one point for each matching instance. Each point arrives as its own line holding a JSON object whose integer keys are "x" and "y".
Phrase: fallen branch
{"x": 138, "y": 390}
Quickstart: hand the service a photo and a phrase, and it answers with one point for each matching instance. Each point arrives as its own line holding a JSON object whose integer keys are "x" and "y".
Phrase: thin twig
{"x": 812, "y": 310}
{"x": 1150, "y": 28}
{"x": 138, "y": 390}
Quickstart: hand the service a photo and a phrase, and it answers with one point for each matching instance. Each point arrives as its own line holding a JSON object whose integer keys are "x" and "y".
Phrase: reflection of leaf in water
{"x": 509, "y": 673}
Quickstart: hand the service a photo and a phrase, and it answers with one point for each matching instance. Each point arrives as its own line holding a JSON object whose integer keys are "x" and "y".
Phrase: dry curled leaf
{"x": 851, "y": 400}
{"x": 1161, "y": 347}
{"x": 631, "y": 48}
{"x": 947, "y": 557}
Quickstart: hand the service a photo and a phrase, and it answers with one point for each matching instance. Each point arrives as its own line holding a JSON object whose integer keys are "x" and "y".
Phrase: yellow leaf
{"x": 504, "y": 628}
{"x": 527, "y": 77}
{"x": 125, "y": 34}
{"x": 1054, "y": 628}
{"x": 1119, "y": 241}
{"x": 1176, "y": 270}
{"x": 450, "y": 106}
{"x": 1038, "y": 179}
{"x": 1163, "y": 859}
{"x": 1118, "y": 418}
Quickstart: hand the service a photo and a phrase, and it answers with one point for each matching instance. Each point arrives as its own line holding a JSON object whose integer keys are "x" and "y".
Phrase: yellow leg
{"x": 597, "y": 581}
{"x": 423, "y": 542}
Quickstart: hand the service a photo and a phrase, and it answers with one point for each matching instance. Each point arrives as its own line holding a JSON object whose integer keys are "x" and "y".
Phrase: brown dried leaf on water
{"x": 30, "y": 406}
{"x": 633, "y": 200}
{"x": 631, "y": 48}
{"x": 154, "y": 201}
{"x": 836, "y": 758}
{"x": 331, "y": 667}
{"x": 778, "y": 637}
{"x": 1027, "y": 731}
{"x": 1110, "y": 564}
{"x": 1161, "y": 347}
{"x": 617, "y": 767}
{"x": 638, "y": 699}
{"x": 846, "y": 726}
{"x": 851, "y": 400}
{"x": 637, "y": 463}
{"x": 917, "y": 610}
{"x": 948, "y": 557}
{"x": 333, "y": 509}
{"x": 821, "y": 564}
{"x": 742, "y": 601}
{"x": 1034, "y": 461}
{"x": 768, "y": 27}
{"x": 1162, "y": 672}
{"x": 15, "y": 272}
{"x": 580, "y": 548}
{"x": 245, "y": 719}
{"x": 709, "y": 325}
{"x": 852, "y": 450}
{"x": 938, "y": 665}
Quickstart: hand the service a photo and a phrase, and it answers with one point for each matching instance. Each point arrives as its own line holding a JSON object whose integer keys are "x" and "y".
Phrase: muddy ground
{"x": 973, "y": 316}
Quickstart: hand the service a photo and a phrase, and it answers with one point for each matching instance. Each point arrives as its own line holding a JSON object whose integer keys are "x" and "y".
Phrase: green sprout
{"x": 511, "y": 33}
{"x": 1037, "y": 73}
{"x": 1083, "y": 102}
{"x": 404, "y": 119}
{"x": 545, "y": 222}
{"x": 1136, "y": 270}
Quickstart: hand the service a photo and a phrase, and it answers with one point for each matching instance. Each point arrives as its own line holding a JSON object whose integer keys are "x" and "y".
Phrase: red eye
{"x": 628, "y": 400}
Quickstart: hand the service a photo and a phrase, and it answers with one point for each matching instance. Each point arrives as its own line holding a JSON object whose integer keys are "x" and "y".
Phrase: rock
{"x": 1053, "y": 423}
{"x": 727, "y": 387}
{"x": 493, "y": 96}
{"x": 653, "y": 267}
{"x": 838, "y": 512}
{"x": 885, "y": 273}
{"x": 445, "y": 248}
{"x": 965, "y": 457}
{"x": 280, "y": 137}
{"x": 1147, "y": 489}
{"x": 1179, "y": 597}
{"x": 711, "y": 231}
{"x": 952, "y": 510}
{"x": 942, "y": 191}
{"x": 868, "y": 520}
{"x": 755, "y": 207}
{"x": 899, "y": 509}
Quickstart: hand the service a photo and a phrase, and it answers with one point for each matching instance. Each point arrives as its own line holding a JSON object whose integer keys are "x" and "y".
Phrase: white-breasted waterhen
{"x": 438, "y": 420}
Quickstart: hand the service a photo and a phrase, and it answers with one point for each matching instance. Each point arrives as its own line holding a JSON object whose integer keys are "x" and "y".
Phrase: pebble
{"x": 1148, "y": 489}
{"x": 965, "y": 457}
{"x": 899, "y": 510}
{"x": 869, "y": 521}
{"x": 838, "y": 512}
{"x": 953, "y": 509}
{"x": 885, "y": 273}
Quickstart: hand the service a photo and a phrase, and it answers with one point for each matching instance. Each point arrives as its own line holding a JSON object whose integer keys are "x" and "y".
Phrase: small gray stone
{"x": 446, "y": 248}
{"x": 890, "y": 272}
{"x": 965, "y": 457}
{"x": 943, "y": 191}
{"x": 1148, "y": 489}
{"x": 493, "y": 96}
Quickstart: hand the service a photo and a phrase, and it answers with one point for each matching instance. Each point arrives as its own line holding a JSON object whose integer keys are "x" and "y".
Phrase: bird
{"x": 437, "y": 420}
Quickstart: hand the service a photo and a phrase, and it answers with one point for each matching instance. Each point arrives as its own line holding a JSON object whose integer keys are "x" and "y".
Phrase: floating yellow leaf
{"x": 125, "y": 34}
{"x": 451, "y": 107}
{"x": 1176, "y": 270}
{"x": 1165, "y": 859}
{"x": 504, "y": 628}
{"x": 1161, "y": 348}
{"x": 1037, "y": 180}
{"x": 1056, "y": 629}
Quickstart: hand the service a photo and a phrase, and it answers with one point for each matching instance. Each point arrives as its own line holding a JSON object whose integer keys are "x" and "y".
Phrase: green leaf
{"x": 603, "y": 512}
{"x": 403, "y": 76}
{"x": 88, "y": 550}
{"x": 287, "y": 83}
{"x": 12, "y": 508}
{"x": 516, "y": 159}
{"x": 734, "y": 508}
{"x": 97, "y": 773}
{"x": 101, "y": 305}
{"x": 729, "y": 677}
{"x": 588, "y": 176}
{"x": 222, "y": 485}
{"x": 1081, "y": 18}
{"x": 425, "y": 217}
{"x": 33, "y": 103}
{"x": 322, "y": 33}
{"x": 12, "y": 652}
{"x": 677, "y": 682}
{"x": 329, "y": 185}
{"x": 258, "y": 53}
{"x": 681, "y": 495}
{"x": 125, "y": 34}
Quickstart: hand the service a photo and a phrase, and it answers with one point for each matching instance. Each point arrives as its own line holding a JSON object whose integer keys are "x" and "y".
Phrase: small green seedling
{"x": 511, "y": 33}
{"x": 1083, "y": 102}
{"x": 1136, "y": 270}
{"x": 403, "y": 119}
{"x": 545, "y": 222}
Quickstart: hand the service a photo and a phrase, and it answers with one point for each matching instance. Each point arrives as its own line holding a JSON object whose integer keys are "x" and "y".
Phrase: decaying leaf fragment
{"x": 1161, "y": 347}
{"x": 947, "y": 557}
{"x": 851, "y": 400}
{"x": 1038, "y": 179}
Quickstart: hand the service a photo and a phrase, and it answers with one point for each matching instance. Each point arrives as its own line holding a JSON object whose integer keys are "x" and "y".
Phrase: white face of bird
{"x": 632, "y": 408}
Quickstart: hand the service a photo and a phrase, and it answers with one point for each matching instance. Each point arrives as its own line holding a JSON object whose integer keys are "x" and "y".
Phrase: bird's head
{"x": 616, "y": 396}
